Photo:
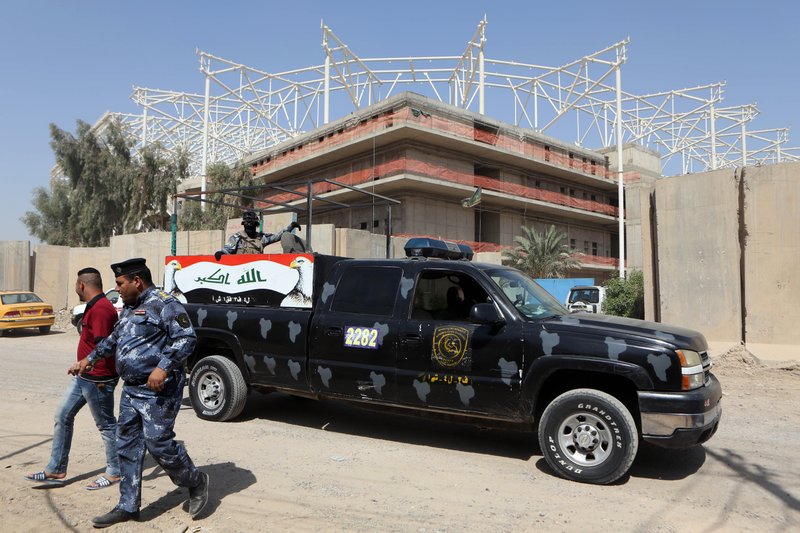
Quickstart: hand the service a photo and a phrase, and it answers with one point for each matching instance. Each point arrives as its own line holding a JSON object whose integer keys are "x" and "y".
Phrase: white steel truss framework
{"x": 243, "y": 109}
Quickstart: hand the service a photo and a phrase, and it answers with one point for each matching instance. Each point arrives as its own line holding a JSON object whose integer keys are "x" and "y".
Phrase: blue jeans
{"x": 100, "y": 397}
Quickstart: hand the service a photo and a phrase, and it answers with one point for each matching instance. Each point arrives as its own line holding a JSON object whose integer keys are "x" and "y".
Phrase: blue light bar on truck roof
{"x": 427, "y": 247}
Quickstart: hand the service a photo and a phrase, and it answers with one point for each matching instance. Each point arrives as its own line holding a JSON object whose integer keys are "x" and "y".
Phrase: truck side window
{"x": 367, "y": 290}
{"x": 443, "y": 295}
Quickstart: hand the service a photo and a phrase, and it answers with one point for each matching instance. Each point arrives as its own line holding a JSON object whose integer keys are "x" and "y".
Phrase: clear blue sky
{"x": 64, "y": 61}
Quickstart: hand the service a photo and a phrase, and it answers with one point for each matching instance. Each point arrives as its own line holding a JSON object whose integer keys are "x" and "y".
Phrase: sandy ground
{"x": 300, "y": 465}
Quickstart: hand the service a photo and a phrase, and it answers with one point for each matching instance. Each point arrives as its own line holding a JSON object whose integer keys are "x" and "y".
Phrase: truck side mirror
{"x": 485, "y": 313}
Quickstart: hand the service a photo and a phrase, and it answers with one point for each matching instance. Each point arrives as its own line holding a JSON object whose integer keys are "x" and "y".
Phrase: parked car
{"x": 22, "y": 309}
{"x": 78, "y": 310}
{"x": 588, "y": 298}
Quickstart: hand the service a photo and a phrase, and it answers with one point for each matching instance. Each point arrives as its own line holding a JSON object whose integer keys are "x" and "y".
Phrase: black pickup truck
{"x": 435, "y": 333}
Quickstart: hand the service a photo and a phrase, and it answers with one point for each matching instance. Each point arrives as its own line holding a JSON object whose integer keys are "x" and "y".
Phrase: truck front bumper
{"x": 681, "y": 419}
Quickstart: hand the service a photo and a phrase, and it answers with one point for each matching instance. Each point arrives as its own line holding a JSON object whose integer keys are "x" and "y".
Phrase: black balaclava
{"x": 250, "y": 223}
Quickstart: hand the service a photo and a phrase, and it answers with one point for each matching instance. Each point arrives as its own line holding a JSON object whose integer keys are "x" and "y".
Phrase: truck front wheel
{"x": 217, "y": 389}
{"x": 589, "y": 436}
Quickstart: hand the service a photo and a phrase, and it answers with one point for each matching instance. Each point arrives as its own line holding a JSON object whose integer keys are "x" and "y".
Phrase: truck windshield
{"x": 527, "y": 296}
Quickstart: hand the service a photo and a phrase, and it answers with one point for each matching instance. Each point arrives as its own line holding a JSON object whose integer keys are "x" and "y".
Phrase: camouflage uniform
{"x": 240, "y": 243}
{"x": 156, "y": 332}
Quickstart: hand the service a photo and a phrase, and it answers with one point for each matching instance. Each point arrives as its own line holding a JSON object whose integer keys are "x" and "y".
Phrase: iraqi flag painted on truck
{"x": 275, "y": 280}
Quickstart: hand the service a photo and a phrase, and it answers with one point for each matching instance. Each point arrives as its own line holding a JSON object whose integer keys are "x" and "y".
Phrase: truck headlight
{"x": 692, "y": 376}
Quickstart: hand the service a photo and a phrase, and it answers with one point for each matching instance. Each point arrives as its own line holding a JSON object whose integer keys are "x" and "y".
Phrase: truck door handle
{"x": 333, "y": 332}
{"x": 412, "y": 339}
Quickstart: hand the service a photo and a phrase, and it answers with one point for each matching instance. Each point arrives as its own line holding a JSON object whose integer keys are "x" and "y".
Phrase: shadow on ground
{"x": 652, "y": 462}
{"x": 224, "y": 479}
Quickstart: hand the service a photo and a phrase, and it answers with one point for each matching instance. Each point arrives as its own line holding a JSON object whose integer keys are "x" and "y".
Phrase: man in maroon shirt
{"x": 95, "y": 388}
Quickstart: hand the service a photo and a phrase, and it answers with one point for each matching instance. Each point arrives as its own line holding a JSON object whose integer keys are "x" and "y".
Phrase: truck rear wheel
{"x": 589, "y": 436}
{"x": 217, "y": 389}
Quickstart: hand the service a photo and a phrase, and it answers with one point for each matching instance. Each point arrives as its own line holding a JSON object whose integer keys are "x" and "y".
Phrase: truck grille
{"x": 706, "y": 366}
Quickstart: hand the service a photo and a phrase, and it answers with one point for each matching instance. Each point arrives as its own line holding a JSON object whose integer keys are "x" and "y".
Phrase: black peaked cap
{"x": 129, "y": 267}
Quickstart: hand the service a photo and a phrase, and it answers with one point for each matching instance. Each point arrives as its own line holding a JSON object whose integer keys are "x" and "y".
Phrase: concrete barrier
{"x": 359, "y": 243}
{"x": 772, "y": 255}
{"x": 727, "y": 250}
{"x": 698, "y": 253}
{"x": 99, "y": 258}
{"x": 52, "y": 276}
{"x": 15, "y": 265}
{"x": 720, "y": 255}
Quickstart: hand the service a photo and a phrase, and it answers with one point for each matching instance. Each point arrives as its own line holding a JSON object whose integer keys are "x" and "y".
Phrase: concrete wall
{"x": 154, "y": 246}
{"x": 642, "y": 168}
{"x": 726, "y": 254}
{"x": 398, "y": 247}
{"x": 698, "y": 272}
{"x": 56, "y": 266}
{"x": 433, "y": 217}
{"x": 15, "y": 265}
{"x": 698, "y": 253}
{"x": 635, "y": 158}
{"x": 489, "y": 257}
{"x": 99, "y": 258}
{"x": 52, "y": 277}
{"x": 323, "y": 240}
{"x": 359, "y": 244}
{"x": 635, "y": 211}
{"x": 651, "y": 299}
{"x": 199, "y": 242}
{"x": 772, "y": 255}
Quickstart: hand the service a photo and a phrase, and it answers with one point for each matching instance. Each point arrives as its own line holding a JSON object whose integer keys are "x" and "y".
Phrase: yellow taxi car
{"x": 21, "y": 309}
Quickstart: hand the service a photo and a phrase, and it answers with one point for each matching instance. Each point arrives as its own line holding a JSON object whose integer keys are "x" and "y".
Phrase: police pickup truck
{"x": 436, "y": 333}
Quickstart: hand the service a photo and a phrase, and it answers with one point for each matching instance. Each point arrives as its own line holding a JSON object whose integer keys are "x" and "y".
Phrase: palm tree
{"x": 541, "y": 255}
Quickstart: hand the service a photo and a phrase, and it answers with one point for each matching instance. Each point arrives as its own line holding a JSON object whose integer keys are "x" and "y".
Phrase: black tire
{"x": 79, "y": 324}
{"x": 217, "y": 389}
{"x": 44, "y": 330}
{"x": 588, "y": 436}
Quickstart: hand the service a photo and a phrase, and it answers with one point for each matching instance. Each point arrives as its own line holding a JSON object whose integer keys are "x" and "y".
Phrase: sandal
{"x": 101, "y": 483}
{"x": 41, "y": 477}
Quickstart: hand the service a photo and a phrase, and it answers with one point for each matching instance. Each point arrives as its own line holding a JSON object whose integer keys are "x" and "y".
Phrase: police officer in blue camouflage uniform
{"x": 152, "y": 340}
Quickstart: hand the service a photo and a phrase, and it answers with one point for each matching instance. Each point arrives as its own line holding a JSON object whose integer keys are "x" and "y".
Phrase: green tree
{"x": 51, "y": 221}
{"x": 190, "y": 216}
{"x": 103, "y": 190}
{"x": 541, "y": 254}
{"x": 625, "y": 296}
{"x": 221, "y": 207}
{"x": 154, "y": 180}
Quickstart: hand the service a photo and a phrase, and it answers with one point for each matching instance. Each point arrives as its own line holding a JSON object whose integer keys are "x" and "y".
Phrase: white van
{"x": 588, "y": 298}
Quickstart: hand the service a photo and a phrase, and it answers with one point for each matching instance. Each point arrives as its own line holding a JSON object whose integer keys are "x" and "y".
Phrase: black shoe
{"x": 115, "y": 516}
{"x": 198, "y": 496}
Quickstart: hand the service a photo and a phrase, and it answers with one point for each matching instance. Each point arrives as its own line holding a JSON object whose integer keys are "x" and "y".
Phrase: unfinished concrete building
{"x": 433, "y": 157}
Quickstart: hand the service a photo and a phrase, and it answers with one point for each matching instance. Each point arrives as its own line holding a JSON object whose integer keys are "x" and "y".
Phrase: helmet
{"x": 249, "y": 217}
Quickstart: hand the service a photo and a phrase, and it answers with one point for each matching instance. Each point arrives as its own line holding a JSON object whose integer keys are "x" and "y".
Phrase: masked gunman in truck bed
{"x": 252, "y": 241}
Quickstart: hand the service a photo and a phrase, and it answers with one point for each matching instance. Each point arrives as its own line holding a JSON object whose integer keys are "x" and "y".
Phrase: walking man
{"x": 152, "y": 339}
{"x": 95, "y": 388}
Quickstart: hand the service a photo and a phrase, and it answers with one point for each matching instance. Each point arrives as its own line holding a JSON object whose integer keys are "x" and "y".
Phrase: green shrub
{"x": 625, "y": 296}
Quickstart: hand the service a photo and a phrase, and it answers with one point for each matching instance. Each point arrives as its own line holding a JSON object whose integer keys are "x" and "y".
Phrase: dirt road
{"x": 299, "y": 465}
